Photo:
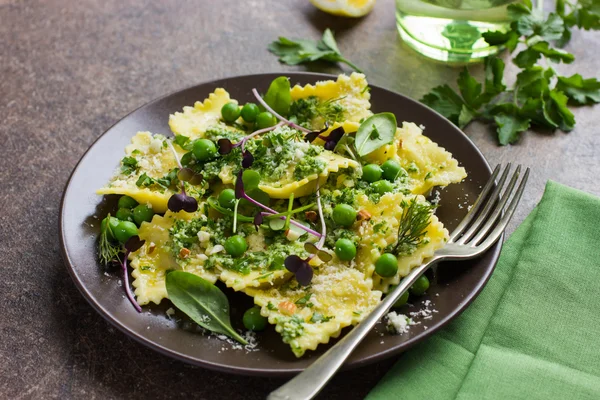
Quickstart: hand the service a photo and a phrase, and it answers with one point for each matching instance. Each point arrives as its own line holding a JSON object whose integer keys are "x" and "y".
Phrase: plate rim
{"x": 281, "y": 372}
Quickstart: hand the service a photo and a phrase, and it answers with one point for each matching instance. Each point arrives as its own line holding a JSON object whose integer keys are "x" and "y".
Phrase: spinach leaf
{"x": 374, "y": 132}
{"x": 202, "y": 301}
{"x": 278, "y": 96}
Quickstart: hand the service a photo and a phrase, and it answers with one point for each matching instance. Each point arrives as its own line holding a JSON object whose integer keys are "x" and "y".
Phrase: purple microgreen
{"x": 311, "y": 136}
{"x": 247, "y": 159}
{"x": 300, "y": 267}
{"x": 293, "y": 262}
{"x": 225, "y": 146}
{"x": 181, "y": 201}
{"x": 241, "y": 194}
{"x": 333, "y": 138}
{"x": 279, "y": 117}
{"x": 258, "y": 220}
{"x": 185, "y": 174}
{"x": 134, "y": 243}
{"x": 126, "y": 283}
{"x": 239, "y": 186}
{"x": 196, "y": 179}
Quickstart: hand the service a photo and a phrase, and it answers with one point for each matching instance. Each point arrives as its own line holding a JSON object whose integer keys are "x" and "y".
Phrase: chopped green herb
{"x": 129, "y": 165}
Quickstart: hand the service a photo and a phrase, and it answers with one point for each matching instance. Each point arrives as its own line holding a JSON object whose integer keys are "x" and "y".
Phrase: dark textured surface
{"x": 69, "y": 70}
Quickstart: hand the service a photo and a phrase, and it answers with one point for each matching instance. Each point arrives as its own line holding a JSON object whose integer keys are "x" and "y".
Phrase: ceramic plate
{"x": 455, "y": 286}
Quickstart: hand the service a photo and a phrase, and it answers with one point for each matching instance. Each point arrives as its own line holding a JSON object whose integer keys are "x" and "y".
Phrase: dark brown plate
{"x": 457, "y": 284}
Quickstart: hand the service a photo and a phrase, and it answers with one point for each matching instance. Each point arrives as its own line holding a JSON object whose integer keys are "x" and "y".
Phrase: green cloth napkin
{"x": 534, "y": 332}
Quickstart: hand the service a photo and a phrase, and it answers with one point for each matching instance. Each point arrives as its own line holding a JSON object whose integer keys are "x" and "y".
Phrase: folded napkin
{"x": 534, "y": 332}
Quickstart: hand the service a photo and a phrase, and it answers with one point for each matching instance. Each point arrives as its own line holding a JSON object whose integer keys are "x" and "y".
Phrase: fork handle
{"x": 309, "y": 382}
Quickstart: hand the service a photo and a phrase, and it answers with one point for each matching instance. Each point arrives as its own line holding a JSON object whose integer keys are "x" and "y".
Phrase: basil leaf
{"x": 374, "y": 132}
{"x": 202, "y": 301}
{"x": 278, "y": 96}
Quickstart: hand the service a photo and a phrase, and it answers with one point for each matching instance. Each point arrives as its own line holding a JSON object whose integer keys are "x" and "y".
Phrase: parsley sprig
{"x": 300, "y": 51}
{"x": 539, "y": 96}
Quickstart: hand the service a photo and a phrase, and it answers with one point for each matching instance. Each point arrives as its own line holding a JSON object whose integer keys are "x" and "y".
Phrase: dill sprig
{"x": 109, "y": 251}
{"x": 413, "y": 224}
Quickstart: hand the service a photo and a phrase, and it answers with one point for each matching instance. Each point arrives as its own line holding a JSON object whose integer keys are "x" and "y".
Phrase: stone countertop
{"x": 69, "y": 70}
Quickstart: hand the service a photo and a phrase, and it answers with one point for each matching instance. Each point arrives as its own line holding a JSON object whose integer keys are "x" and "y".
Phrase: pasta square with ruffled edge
{"x": 152, "y": 261}
{"x": 194, "y": 121}
{"x": 427, "y": 164}
{"x": 337, "y": 297}
{"x": 381, "y": 231}
{"x": 350, "y": 92}
{"x": 155, "y": 159}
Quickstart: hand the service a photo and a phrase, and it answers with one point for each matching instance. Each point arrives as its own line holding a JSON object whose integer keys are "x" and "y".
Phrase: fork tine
{"x": 486, "y": 209}
{"x": 498, "y": 210}
{"x": 491, "y": 239}
{"x": 476, "y": 206}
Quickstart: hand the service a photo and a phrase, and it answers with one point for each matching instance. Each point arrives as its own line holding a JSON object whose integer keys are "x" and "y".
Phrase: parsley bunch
{"x": 540, "y": 96}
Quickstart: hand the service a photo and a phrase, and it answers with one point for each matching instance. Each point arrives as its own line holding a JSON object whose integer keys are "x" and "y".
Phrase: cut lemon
{"x": 345, "y": 8}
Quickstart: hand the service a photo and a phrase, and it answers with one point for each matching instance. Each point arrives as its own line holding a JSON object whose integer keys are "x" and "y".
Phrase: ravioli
{"x": 194, "y": 121}
{"x": 338, "y": 297}
{"x": 427, "y": 163}
{"x": 155, "y": 159}
{"x": 152, "y": 261}
{"x": 352, "y": 92}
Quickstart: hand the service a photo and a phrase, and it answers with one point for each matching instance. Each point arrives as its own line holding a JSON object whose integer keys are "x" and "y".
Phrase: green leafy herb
{"x": 202, "y": 301}
{"x": 278, "y": 96}
{"x": 299, "y": 51}
{"x": 128, "y": 165}
{"x": 271, "y": 306}
{"x": 184, "y": 142}
{"x": 108, "y": 251}
{"x": 539, "y": 97}
{"x": 412, "y": 228}
{"x": 318, "y": 317}
{"x": 374, "y": 132}
{"x": 304, "y": 301}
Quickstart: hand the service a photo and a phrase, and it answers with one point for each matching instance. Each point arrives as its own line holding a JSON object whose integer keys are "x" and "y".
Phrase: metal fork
{"x": 476, "y": 233}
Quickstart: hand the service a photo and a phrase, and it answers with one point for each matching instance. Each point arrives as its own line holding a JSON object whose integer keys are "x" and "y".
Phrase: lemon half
{"x": 345, "y": 8}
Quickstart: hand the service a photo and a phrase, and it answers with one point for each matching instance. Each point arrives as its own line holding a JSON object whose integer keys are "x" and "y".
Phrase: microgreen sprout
{"x": 279, "y": 117}
{"x": 133, "y": 244}
{"x": 300, "y": 267}
{"x": 330, "y": 140}
{"x": 181, "y": 201}
{"x": 240, "y": 193}
{"x": 225, "y": 145}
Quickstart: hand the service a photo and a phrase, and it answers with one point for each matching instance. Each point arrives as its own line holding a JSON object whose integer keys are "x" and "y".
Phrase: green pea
{"x": 236, "y": 245}
{"x": 230, "y": 112}
{"x": 227, "y": 198}
{"x": 249, "y": 112}
{"x": 402, "y": 300}
{"x": 345, "y": 249}
{"x": 344, "y": 215}
{"x": 204, "y": 149}
{"x": 124, "y": 214}
{"x": 127, "y": 202}
{"x": 382, "y": 187}
{"x": 386, "y": 265}
{"x": 142, "y": 213}
{"x": 109, "y": 223}
{"x": 253, "y": 320}
{"x": 124, "y": 230}
{"x": 392, "y": 170}
{"x": 265, "y": 119}
{"x": 420, "y": 286}
{"x": 371, "y": 173}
